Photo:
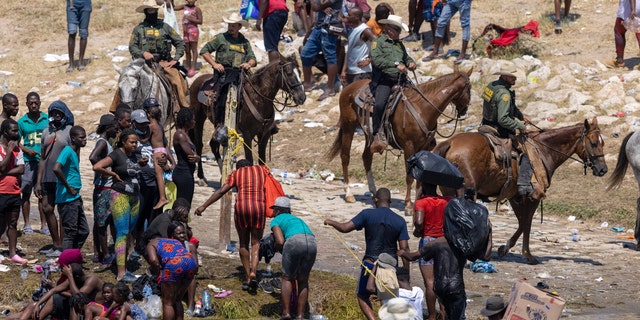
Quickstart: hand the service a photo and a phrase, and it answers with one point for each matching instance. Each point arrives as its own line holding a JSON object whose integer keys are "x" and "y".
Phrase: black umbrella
{"x": 431, "y": 168}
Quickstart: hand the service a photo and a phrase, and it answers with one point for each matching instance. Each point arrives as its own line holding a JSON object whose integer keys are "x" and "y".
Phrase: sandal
{"x": 69, "y": 69}
{"x": 223, "y": 294}
{"x": 429, "y": 58}
{"x": 326, "y": 94}
{"x": 17, "y": 259}
{"x": 245, "y": 287}
{"x": 27, "y": 230}
{"x": 45, "y": 231}
{"x": 81, "y": 68}
{"x": 614, "y": 64}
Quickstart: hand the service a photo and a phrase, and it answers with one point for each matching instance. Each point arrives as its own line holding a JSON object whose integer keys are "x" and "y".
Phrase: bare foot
{"x": 160, "y": 204}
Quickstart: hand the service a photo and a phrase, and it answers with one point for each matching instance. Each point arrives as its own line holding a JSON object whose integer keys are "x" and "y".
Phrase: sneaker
{"x": 266, "y": 286}
{"x": 276, "y": 284}
{"x": 53, "y": 254}
{"x": 109, "y": 260}
{"x": 558, "y": 27}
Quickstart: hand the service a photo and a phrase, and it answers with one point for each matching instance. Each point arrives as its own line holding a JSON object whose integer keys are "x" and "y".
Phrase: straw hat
{"x": 147, "y": 4}
{"x": 396, "y": 21}
{"x": 236, "y": 18}
{"x": 507, "y": 69}
{"x": 397, "y": 309}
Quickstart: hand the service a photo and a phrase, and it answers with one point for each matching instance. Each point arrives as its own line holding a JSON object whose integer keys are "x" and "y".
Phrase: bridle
{"x": 289, "y": 87}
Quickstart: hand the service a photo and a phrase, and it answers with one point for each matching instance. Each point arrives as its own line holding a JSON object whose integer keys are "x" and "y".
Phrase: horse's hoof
{"x": 502, "y": 251}
{"x": 350, "y": 199}
{"x": 532, "y": 260}
{"x": 202, "y": 182}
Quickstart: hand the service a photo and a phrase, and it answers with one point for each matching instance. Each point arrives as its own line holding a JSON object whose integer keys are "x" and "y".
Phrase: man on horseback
{"x": 152, "y": 40}
{"x": 233, "y": 54}
{"x": 500, "y": 112}
{"x": 390, "y": 64}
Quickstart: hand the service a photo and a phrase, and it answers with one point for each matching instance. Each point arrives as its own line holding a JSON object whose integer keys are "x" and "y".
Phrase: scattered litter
{"x": 50, "y": 57}
{"x": 6, "y": 73}
{"x": 542, "y": 285}
{"x": 4, "y": 268}
{"x": 617, "y": 229}
{"x": 119, "y": 59}
{"x": 604, "y": 224}
{"x": 599, "y": 279}
{"x": 352, "y": 246}
{"x": 122, "y": 47}
{"x": 543, "y": 275}
{"x": 482, "y": 266}
{"x": 571, "y": 218}
{"x": 214, "y": 288}
{"x": 313, "y": 125}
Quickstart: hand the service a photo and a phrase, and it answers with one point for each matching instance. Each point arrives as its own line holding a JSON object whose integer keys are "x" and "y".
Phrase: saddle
{"x": 504, "y": 151}
{"x": 364, "y": 99}
{"x": 166, "y": 84}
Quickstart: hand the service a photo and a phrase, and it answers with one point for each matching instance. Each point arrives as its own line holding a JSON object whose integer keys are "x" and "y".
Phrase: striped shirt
{"x": 250, "y": 207}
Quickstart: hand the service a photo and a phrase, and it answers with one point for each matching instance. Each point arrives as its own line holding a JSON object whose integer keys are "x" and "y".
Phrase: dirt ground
{"x": 594, "y": 275}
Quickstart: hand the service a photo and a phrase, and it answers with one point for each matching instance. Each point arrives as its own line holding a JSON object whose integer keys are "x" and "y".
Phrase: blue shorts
{"x": 429, "y": 14}
{"x": 362, "y": 291}
{"x": 272, "y": 28}
{"x": 78, "y": 17}
{"x": 422, "y": 243}
{"x": 319, "y": 40}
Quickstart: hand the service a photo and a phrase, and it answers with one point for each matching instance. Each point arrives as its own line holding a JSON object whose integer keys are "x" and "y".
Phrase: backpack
{"x": 272, "y": 190}
{"x": 466, "y": 227}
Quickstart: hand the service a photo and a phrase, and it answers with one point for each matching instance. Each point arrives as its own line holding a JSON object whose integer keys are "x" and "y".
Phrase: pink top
{"x": 274, "y": 5}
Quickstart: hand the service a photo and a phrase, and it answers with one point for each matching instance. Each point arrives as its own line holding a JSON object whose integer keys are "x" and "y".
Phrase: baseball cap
{"x": 150, "y": 102}
{"x": 139, "y": 116}
{"x": 70, "y": 256}
{"x": 282, "y": 202}
{"x": 107, "y": 119}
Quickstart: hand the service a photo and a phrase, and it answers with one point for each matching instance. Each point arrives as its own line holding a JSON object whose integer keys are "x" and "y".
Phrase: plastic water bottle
{"x": 24, "y": 273}
{"x": 147, "y": 290}
{"x": 206, "y": 300}
{"x": 574, "y": 236}
{"x": 198, "y": 309}
{"x": 74, "y": 83}
{"x": 5, "y": 87}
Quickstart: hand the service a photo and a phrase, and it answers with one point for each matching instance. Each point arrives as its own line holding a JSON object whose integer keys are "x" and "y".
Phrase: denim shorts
{"x": 320, "y": 40}
{"x": 29, "y": 178}
{"x": 430, "y": 13}
{"x": 449, "y": 9}
{"x": 299, "y": 255}
{"x": 272, "y": 28}
{"x": 423, "y": 242}
{"x": 78, "y": 17}
{"x": 362, "y": 291}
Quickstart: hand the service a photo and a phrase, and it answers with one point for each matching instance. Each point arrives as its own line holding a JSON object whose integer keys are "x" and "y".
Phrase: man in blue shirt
{"x": 384, "y": 232}
{"x": 31, "y": 126}
{"x": 67, "y": 170}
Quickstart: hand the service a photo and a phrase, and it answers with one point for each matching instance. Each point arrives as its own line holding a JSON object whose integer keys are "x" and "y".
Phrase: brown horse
{"x": 471, "y": 153}
{"x": 413, "y": 124}
{"x": 256, "y": 116}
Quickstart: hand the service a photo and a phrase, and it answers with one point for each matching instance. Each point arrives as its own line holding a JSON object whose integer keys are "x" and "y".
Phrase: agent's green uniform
{"x": 156, "y": 39}
{"x": 499, "y": 108}
{"x": 230, "y": 52}
{"x": 386, "y": 55}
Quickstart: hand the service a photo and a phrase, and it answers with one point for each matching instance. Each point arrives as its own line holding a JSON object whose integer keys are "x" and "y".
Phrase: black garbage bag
{"x": 466, "y": 227}
{"x": 431, "y": 168}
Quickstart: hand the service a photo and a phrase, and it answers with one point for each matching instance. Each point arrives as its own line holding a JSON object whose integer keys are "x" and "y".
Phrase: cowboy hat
{"x": 394, "y": 20}
{"x": 147, "y": 4}
{"x": 236, "y": 18}
{"x": 397, "y": 309}
{"x": 507, "y": 69}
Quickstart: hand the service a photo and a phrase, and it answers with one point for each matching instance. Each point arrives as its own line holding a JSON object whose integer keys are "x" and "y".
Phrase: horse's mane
{"x": 429, "y": 87}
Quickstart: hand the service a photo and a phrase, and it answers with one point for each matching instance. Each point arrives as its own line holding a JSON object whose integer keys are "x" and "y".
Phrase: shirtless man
{"x": 158, "y": 143}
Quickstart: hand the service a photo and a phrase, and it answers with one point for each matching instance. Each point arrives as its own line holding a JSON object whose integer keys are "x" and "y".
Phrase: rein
{"x": 284, "y": 83}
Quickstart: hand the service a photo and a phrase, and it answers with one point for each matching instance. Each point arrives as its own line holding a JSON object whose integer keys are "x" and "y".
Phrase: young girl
{"x": 93, "y": 309}
{"x": 190, "y": 20}
{"x": 119, "y": 309}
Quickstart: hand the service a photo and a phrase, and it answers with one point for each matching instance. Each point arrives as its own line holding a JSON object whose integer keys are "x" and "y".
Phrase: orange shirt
{"x": 375, "y": 27}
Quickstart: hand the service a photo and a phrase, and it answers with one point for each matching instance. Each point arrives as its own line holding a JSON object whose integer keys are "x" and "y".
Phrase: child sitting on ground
{"x": 119, "y": 309}
{"x": 94, "y": 309}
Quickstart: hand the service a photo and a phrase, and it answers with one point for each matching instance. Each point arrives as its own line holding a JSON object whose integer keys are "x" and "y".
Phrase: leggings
{"x": 124, "y": 210}
{"x": 619, "y": 31}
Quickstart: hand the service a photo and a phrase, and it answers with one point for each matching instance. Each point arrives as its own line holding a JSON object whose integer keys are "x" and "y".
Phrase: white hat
{"x": 397, "y": 309}
{"x": 282, "y": 202}
{"x": 507, "y": 69}
{"x": 147, "y": 4}
{"x": 236, "y": 18}
{"x": 394, "y": 20}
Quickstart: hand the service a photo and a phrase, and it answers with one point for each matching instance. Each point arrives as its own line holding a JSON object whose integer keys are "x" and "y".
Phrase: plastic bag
{"x": 466, "y": 227}
{"x": 152, "y": 307}
{"x": 632, "y": 25}
{"x": 249, "y": 9}
{"x": 170, "y": 17}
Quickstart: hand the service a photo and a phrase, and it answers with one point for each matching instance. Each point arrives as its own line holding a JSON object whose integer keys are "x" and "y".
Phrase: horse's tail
{"x": 621, "y": 166}
{"x": 335, "y": 147}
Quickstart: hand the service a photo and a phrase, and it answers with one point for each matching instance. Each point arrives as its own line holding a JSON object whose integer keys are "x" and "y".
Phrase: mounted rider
{"x": 152, "y": 40}
{"x": 390, "y": 62}
{"x": 233, "y": 54}
{"x": 500, "y": 112}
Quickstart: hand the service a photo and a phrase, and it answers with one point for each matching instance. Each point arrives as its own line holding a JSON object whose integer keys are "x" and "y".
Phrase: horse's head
{"x": 290, "y": 75}
{"x": 464, "y": 97}
{"x": 129, "y": 81}
{"x": 591, "y": 148}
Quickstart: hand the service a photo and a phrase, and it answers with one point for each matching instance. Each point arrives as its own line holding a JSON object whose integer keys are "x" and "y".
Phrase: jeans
{"x": 74, "y": 223}
{"x": 450, "y": 8}
{"x": 319, "y": 40}
{"x": 78, "y": 17}
{"x": 272, "y": 28}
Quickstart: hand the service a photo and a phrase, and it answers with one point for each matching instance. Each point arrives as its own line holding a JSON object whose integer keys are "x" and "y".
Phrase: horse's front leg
{"x": 408, "y": 204}
{"x": 637, "y": 231}
{"x": 524, "y": 212}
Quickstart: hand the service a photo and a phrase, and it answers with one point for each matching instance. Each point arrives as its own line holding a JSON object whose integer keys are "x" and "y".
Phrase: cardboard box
{"x": 527, "y": 302}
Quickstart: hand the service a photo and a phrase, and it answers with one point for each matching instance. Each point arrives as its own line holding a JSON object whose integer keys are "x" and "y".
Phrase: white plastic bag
{"x": 152, "y": 307}
{"x": 170, "y": 17}
{"x": 632, "y": 25}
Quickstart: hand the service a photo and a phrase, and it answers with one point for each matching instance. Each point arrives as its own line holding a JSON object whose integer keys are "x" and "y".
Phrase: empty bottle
{"x": 5, "y": 87}
{"x": 24, "y": 273}
{"x": 74, "y": 83}
{"x": 206, "y": 300}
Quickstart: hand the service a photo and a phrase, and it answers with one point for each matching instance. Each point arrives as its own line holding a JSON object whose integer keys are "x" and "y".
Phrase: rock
{"x": 578, "y": 98}
{"x": 95, "y": 106}
{"x": 553, "y": 96}
{"x": 541, "y": 73}
{"x": 442, "y": 69}
{"x": 611, "y": 89}
{"x": 541, "y": 109}
{"x": 606, "y": 120}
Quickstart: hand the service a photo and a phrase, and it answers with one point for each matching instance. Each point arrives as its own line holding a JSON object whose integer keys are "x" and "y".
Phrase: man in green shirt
{"x": 152, "y": 40}
{"x": 233, "y": 54}
{"x": 390, "y": 64}
{"x": 499, "y": 111}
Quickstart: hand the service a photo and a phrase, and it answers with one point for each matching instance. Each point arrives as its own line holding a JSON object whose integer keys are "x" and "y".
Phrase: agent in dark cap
{"x": 107, "y": 129}
{"x": 494, "y": 308}
{"x": 298, "y": 246}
